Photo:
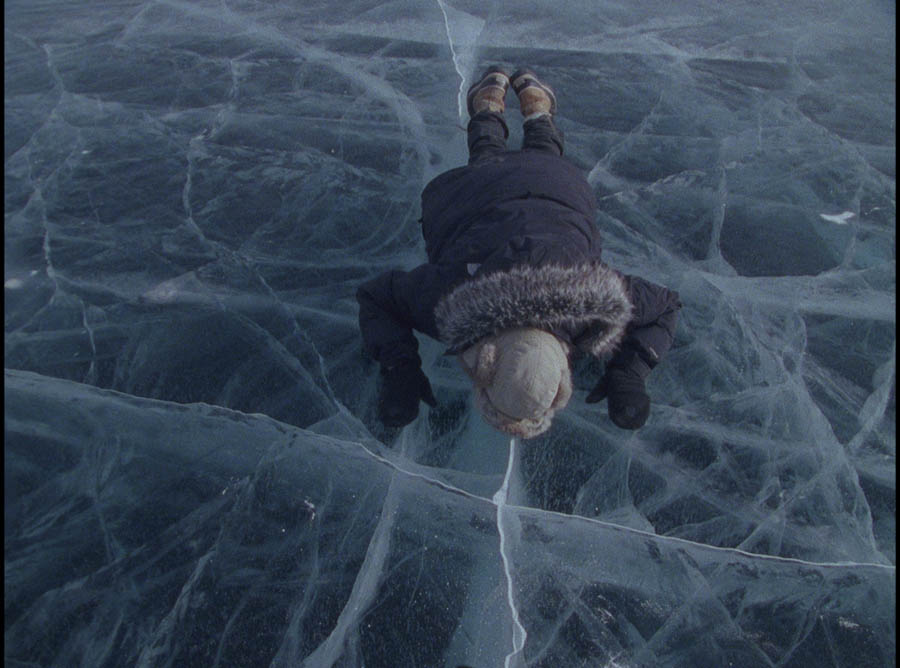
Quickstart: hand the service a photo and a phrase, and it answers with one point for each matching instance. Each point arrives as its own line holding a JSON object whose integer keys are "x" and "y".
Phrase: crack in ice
{"x": 456, "y": 64}
{"x": 875, "y": 407}
{"x": 590, "y": 520}
{"x": 458, "y": 55}
{"x": 91, "y": 375}
{"x": 500, "y": 499}
{"x": 365, "y": 586}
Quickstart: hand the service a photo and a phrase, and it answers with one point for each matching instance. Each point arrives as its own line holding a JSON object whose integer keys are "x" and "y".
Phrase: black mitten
{"x": 623, "y": 388}
{"x": 402, "y": 387}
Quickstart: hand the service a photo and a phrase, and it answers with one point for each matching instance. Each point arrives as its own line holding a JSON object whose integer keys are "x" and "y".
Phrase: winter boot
{"x": 535, "y": 98}
{"x": 489, "y": 93}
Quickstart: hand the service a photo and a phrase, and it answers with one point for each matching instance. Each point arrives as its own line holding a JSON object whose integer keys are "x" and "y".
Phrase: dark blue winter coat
{"x": 512, "y": 241}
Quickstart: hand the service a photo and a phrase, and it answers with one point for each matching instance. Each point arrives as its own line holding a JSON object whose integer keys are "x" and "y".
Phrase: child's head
{"x": 522, "y": 378}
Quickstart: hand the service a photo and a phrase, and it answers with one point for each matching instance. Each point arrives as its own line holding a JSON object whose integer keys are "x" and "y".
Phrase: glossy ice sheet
{"x": 194, "y": 474}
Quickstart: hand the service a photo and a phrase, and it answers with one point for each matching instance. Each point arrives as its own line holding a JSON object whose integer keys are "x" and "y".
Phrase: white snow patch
{"x": 840, "y": 218}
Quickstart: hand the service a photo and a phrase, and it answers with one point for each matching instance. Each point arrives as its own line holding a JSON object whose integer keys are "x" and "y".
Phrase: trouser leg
{"x": 541, "y": 134}
{"x": 487, "y": 135}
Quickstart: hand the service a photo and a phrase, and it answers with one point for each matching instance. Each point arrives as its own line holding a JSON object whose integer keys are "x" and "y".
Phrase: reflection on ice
{"x": 194, "y": 473}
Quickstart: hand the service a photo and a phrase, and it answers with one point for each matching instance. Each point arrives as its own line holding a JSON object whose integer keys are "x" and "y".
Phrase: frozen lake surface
{"x": 194, "y": 474}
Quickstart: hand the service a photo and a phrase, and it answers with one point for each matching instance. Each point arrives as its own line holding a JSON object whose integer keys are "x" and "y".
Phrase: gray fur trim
{"x": 548, "y": 297}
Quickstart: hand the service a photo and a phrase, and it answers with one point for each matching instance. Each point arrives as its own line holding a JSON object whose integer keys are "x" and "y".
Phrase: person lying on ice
{"x": 514, "y": 284}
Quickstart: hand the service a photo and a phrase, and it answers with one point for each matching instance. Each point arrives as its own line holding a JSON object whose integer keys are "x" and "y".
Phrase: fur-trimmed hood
{"x": 589, "y": 301}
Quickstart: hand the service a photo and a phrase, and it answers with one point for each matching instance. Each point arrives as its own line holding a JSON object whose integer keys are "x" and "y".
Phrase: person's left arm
{"x": 649, "y": 337}
{"x": 652, "y": 329}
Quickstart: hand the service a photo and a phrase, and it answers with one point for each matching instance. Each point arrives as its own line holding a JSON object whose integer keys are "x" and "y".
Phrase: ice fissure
{"x": 500, "y": 498}
{"x": 463, "y": 31}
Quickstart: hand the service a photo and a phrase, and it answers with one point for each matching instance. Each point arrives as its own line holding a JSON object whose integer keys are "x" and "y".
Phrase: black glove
{"x": 623, "y": 387}
{"x": 402, "y": 387}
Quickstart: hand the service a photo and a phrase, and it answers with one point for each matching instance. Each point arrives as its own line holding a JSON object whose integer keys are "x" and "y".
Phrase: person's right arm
{"x": 391, "y": 306}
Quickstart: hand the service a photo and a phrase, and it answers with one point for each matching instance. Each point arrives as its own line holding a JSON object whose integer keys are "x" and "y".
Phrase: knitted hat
{"x": 521, "y": 377}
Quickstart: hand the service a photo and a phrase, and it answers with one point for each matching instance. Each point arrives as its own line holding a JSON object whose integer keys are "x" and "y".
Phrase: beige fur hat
{"x": 521, "y": 377}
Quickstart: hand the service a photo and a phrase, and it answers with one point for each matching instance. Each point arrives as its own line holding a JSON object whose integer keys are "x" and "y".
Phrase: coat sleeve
{"x": 652, "y": 329}
{"x": 394, "y": 304}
